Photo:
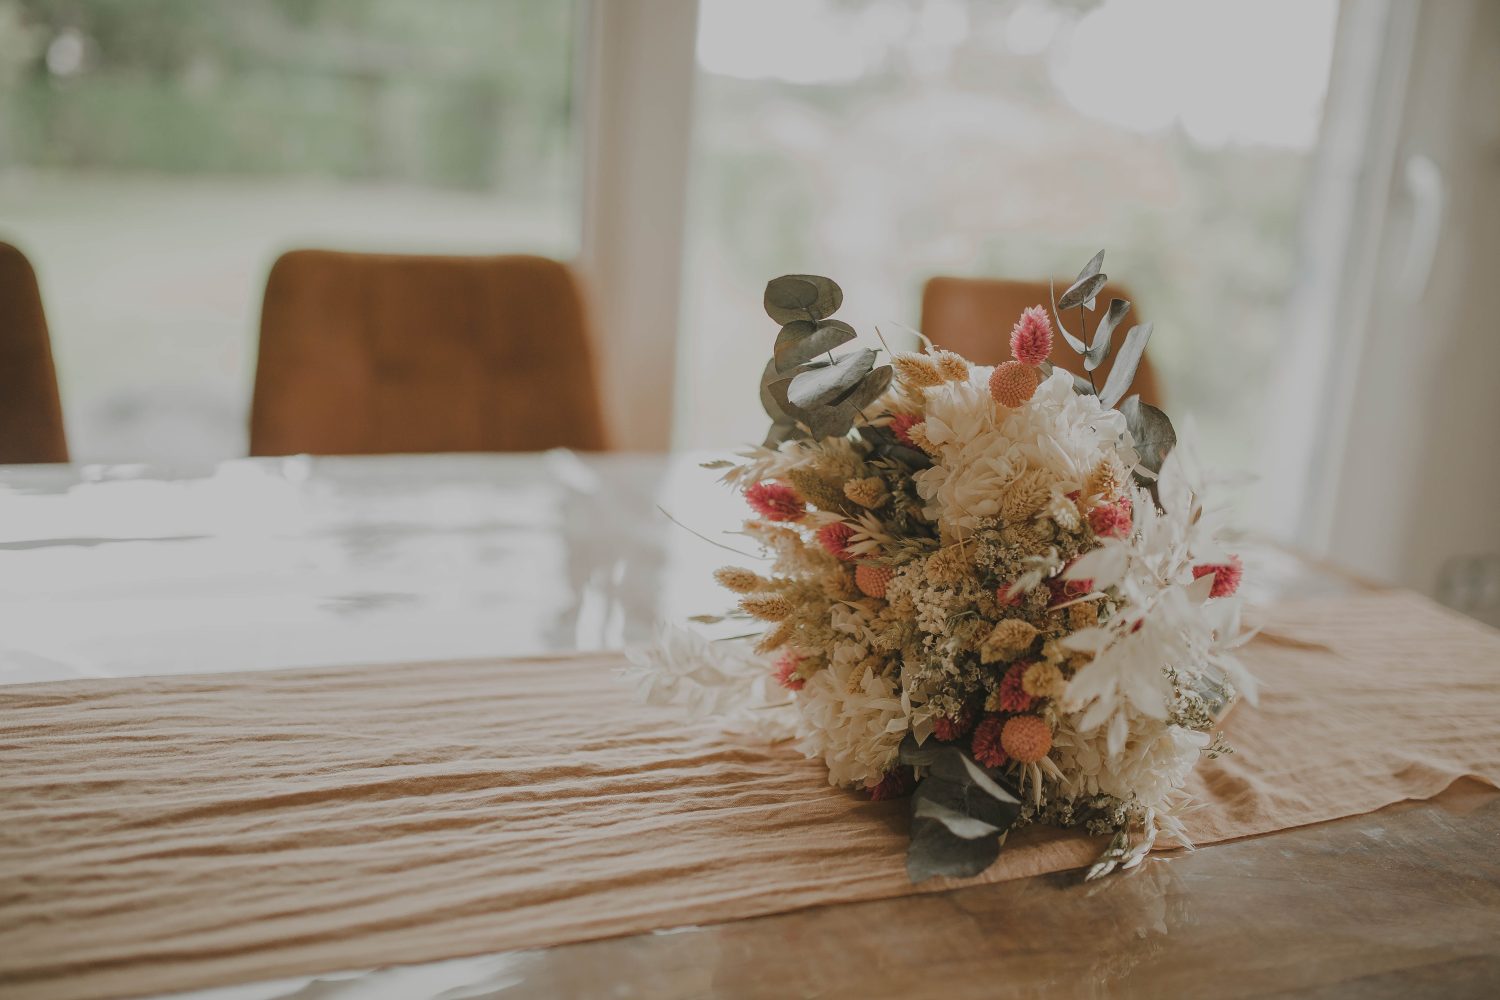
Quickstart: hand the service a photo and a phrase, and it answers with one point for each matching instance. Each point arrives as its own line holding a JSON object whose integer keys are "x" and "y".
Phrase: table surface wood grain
{"x": 274, "y": 563}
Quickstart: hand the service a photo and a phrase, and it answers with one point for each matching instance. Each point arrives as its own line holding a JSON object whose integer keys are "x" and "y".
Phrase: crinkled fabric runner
{"x": 159, "y": 834}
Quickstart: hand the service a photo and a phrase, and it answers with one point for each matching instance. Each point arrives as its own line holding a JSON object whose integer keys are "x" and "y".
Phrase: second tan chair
{"x": 378, "y": 353}
{"x": 973, "y": 316}
{"x": 31, "y": 420}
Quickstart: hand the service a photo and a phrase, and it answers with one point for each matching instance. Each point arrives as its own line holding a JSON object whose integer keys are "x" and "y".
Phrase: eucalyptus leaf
{"x": 825, "y": 385}
{"x": 867, "y": 389}
{"x": 1079, "y": 347}
{"x": 794, "y": 297}
{"x": 803, "y": 340}
{"x": 780, "y": 431}
{"x": 1126, "y": 362}
{"x": 1104, "y": 332}
{"x": 1151, "y": 431}
{"x": 935, "y": 851}
{"x": 1082, "y": 291}
{"x": 952, "y": 816}
{"x": 1093, "y": 267}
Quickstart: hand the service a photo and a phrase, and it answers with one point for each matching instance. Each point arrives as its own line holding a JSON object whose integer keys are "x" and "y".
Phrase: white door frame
{"x": 636, "y": 75}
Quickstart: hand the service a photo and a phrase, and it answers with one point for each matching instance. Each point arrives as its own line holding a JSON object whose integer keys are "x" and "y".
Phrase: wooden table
{"x": 266, "y": 564}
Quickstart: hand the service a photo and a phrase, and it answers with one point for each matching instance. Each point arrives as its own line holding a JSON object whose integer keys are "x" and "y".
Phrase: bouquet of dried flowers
{"x": 999, "y": 591}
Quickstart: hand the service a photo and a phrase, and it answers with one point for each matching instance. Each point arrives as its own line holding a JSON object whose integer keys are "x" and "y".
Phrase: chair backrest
{"x": 31, "y": 420}
{"x": 379, "y": 353}
{"x": 973, "y": 316}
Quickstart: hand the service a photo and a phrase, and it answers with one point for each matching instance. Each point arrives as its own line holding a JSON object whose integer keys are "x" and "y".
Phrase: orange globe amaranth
{"x": 1013, "y": 383}
{"x": 872, "y": 580}
{"x": 1026, "y": 738}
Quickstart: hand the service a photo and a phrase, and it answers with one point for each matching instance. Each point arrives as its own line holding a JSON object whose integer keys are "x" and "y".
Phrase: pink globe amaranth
{"x": 1013, "y": 696}
{"x": 898, "y": 781}
{"x": 1031, "y": 337}
{"x": 1227, "y": 576}
{"x": 785, "y": 671}
{"x": 776, "y": 502}
{"x": 986, "y": 746}
{"x": 1112, "y": 520}
{"x": 835, "y": 539}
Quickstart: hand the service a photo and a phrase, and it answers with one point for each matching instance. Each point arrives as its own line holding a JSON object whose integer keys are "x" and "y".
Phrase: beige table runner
{"x": 159, "y": 834}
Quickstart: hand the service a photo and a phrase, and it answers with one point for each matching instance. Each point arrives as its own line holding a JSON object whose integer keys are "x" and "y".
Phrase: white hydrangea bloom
{"x": 982, "y": 446}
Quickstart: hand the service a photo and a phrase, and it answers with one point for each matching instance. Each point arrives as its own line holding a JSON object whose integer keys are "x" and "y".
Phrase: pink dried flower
{"x": 950, "y": 728}
{"x": 786, "y": 671}
{"x": 1012, "y": 383}
{"x": 898, "y": 781}
{"x": 1009, "y": 596}
{"x": 1227, "y": 576}
{"x": 1013, "y": 696}
{"x": 776, "y": 502}
{"x": 901, "y": 424}
{"x": 1112, "y": 520}
{"x": 1031, "y": 337}
{"x": 835, "y": 539}
{"x": 987, "y": 747}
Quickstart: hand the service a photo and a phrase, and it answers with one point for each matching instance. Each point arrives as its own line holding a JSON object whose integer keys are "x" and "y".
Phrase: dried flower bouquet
{"x": 988, "y": 588}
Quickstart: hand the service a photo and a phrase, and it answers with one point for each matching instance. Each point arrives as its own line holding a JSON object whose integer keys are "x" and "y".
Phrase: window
{"x": 887, "y": 141}
{"x": 157, "y": 155}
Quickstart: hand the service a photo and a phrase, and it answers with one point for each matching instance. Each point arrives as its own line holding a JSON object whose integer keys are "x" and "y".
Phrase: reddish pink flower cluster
{"x": 776, "y": 502}
{"x": 1013, "y": 697}
{"x": 901, "y": 423}
{"x": 835, "y": 539}
{"x": 951, "y": 728}
{"x": 1008, "y": 597}
{"x": 1112, "y": 520}
{"x": 986, "y": 747}
{"x": 1031, "y": 337}
{"x": 1067, "y": 590}
{"x": 1227, "y": 576}
{"x": 898, "y": 781}
{"x": 786, "y": 671}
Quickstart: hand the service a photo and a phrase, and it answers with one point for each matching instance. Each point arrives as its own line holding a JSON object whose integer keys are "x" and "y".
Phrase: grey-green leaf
{"x": 803, "y": 340}
{"x": 868, "y": 389}
{"x": 825, "y": 385}
{"x": 1093, "y": 267}
{"x": 794, "y": 297}
{"x": 1082, "y": 291}
{"x": 935, "y": 851}
{"x": 1079, "y": 347}
{"x": 1099, "y": 349}
{"x": 1151, "y": 430}
{"x": 1126, "y": 362}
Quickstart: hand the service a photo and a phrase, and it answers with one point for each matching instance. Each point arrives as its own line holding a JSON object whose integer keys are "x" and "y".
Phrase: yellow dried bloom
{"x": 775, "y": 638}
{"x": 952, "y": 367}
{"x": 739, "y": 580}
{"x": 1043, "y": 680}
{"x": 1064, "y": 513}
{"x": 778, "y": 539}
{"x": 1106, "y": 478}
{"x": 767, "y": 607}
{"x": 869, "y": 492}
{"x": 1007, "y": 640}
{"x": 838, "y": 585}
{"x": 1083, "y": 615}
{"x": 856, "y": 680}
{"x": 992, "y": 701}
{"x": 916, "y": 370}
{"x": 1078, "y": 659}
{"x": 947, "y": 567}
{"x": 818, "y": 491}
{"x": 1024, "y": 496}
{"x": 917, "y": 433}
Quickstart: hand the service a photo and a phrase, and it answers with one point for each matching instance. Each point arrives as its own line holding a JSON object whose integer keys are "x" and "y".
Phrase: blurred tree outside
{"x": 156, "y": 155}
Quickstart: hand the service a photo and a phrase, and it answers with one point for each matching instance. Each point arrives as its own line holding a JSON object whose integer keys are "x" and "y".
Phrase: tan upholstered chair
{"x": 973, "y": 316}
{"x": 31, "y": 421}
{"x": 376, "y": 353}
